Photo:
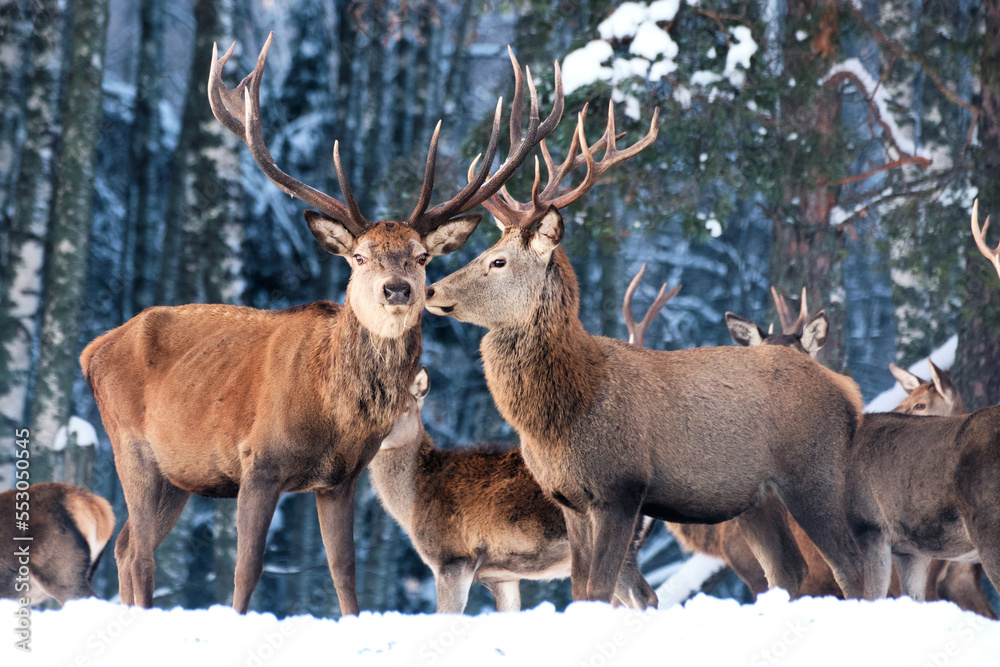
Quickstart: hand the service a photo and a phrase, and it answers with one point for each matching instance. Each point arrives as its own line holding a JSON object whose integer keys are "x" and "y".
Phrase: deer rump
{"x": 69, "y": 527}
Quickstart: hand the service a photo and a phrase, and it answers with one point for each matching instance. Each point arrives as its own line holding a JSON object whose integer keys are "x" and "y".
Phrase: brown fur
{"x": 699, "y": 435}
{"x": 70, "y": 528}
{"x": 475, "y": 514}
{"x": 225, "y": 401}
{"x": 954, "y": 581}
{"x": 925, "y": 488}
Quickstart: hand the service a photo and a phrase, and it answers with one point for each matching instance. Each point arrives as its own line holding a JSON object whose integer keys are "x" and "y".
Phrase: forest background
{"x": 832, "y": 145}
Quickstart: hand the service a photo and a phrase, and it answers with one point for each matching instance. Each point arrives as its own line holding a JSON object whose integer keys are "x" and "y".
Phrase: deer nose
{"x": 430, "y": 292}
{"x": 397, "y": 294}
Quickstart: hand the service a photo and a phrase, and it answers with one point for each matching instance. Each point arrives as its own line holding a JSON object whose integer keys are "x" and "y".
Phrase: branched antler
{"x": 788, "y": 325}
{"x": 980, "y": 236}
{"x": 510, "y": 212}
{"x": 637, "y": 332}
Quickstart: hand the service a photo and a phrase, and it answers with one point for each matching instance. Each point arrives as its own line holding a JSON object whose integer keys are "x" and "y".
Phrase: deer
{"x": 957, "y": 582}
{"x": 947, "y": 580}
{"x": 938, "y": 501}
{"x": 805, "y": 334}
{"x": 475, "y": 514}
{"x": 69, "y": 528}
{"x": 612, "y": 431}
{"x": 229, "y": 401}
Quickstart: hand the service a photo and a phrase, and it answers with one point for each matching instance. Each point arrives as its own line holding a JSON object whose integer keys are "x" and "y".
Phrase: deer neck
{"x": 369, "y": 376}
{"x": 393, "y": 473}
{"x": 545, "y": 371}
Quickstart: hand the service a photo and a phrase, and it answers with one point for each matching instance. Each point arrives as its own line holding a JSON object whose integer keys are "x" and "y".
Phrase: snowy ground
{"x": 705, "y": 631}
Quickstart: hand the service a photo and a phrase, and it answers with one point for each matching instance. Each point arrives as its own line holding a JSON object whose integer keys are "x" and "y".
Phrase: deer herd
{"x": 753, "y": 453}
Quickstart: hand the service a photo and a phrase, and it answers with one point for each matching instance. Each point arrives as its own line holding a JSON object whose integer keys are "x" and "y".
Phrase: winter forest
{"x": 826, "y": 144}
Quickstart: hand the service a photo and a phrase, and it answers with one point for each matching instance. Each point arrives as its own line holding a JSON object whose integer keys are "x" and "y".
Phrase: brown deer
{"x": 803, "y": 334}
{"x": 947, "y": 580}
{"x": 475, "y": 514}
{"x": 69, "y": 528}
{"x": 612, "y": 431}
{"x": 227, "y": 401}
{"x": 957, "y": 582}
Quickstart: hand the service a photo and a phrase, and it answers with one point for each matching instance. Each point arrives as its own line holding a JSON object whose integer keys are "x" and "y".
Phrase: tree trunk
{"x": 146, "y": 200}
{"x": 32, "y": 205}
{"x": 69, "y": 230}
{"x": 15, "y": 28}
{"x": 805, "y": 248}
{"x": 977, "y": 370}
{"x": 201, "y": 246}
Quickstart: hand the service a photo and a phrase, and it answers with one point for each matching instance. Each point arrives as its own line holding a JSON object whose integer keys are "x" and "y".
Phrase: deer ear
{"x": 815, "y": 332}
{"x": 331, "y": 234}
{"x": 743, "y": 331}
{"x": 452, "y": 235}
{"x": 421, "y": 384}
{"x": 909, "y": 381}
{"x": 943, "y": 383}
{"x": 548, "y": 234}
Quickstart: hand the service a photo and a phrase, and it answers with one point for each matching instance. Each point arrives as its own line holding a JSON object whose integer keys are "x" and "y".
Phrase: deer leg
{"x": 860, "y": 559}
{"x": 255, "y": 505}
{"x": 581, "y": 547}
{"x": 336, "y": 524}
{"x": 741, "y": 558}
{"x": 633, "y": 590}
{"x": 124, "y": 562}
{"x": 770, "y": 539}
{"x": 613, "y": 529}
{"x": 453, "y": 582}
{"x": 912, "y": 570}
{"x": 146, "y": 492}
{"x": 506, "y": 594}
{"x": 962, "y": 583}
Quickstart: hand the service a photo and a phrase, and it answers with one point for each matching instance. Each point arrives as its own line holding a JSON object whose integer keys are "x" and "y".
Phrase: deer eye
{"x": 360, "y": 259}
{"x": 919, "y": 406}
{"x": 422, "y": 259}
{"x": 498, "y": 263}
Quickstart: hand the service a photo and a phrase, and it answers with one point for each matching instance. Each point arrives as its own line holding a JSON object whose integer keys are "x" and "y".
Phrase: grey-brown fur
{"x": 611, "y": 431}
{"x": 475, "y": 514}
{"x": 69, "y": 528}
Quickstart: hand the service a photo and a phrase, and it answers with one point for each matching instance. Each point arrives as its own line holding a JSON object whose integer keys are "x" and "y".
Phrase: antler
{"x": 511, "y": 212}
{"x": 637, "y": 332}
{"x": 980, "y": 236}
{"x": 785, "y": 315}
{"x": 239, "y": 110}
{"x": 482, "y": 186}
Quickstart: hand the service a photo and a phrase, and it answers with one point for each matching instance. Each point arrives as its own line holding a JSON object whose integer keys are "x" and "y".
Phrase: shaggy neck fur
{"x": 543, "y": 373}
{"x": 394, "y": 475}
{"x": 370, "y": 376}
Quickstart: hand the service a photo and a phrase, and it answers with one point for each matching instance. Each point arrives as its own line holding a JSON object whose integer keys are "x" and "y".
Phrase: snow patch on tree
{"x": 80, "y": 430}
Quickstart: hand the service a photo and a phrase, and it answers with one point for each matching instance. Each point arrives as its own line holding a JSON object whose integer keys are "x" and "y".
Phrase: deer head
{"x": 386, "y": 290}
{"x": 938, "y": 397}
{"x": 803, "y": 334}
{"x": 503, "y": 285}
{"x": 407, "y": 427}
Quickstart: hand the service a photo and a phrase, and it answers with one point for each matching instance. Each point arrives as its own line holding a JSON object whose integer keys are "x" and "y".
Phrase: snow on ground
{"x": 705, "y": 631}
